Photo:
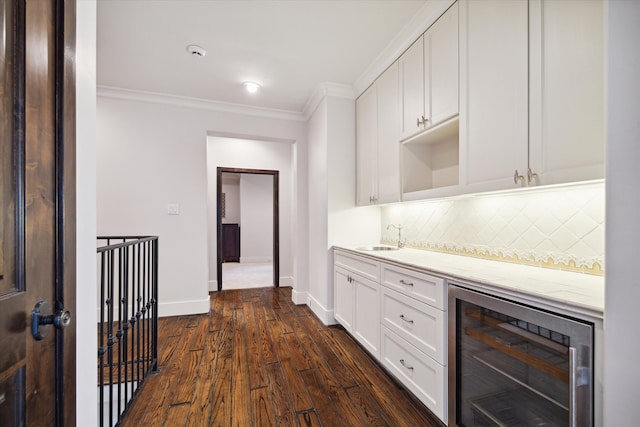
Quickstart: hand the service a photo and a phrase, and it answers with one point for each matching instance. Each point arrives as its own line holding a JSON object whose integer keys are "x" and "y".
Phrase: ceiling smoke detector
{"x": 196, "y": 50}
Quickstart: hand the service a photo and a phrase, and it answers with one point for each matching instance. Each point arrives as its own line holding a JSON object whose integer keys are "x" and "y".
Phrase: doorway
{"x": 230, "y": 233}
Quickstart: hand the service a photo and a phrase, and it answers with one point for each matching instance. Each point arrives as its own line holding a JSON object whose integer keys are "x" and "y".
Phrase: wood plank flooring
{"x": 259, "y": 360}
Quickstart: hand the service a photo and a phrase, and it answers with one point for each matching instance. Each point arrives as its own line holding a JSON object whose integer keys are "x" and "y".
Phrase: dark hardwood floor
{"x": 258, "y": 360}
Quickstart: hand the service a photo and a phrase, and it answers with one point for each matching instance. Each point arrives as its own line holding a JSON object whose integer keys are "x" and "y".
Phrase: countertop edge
{"x": 494, "y": 287}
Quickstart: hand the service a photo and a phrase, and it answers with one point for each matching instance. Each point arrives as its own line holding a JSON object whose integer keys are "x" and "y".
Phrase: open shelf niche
{"x": 431, "y": 160}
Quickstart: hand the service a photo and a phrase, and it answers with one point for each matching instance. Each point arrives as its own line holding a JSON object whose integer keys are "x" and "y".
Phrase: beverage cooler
{"x": 515, "y": 365}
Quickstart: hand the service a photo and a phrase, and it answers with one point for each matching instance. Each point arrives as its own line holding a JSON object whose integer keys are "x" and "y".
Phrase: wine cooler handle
{"x": 573, "y": 367}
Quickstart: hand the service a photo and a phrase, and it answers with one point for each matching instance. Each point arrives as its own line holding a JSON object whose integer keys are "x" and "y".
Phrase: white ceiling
{"x": 287, "y": 46}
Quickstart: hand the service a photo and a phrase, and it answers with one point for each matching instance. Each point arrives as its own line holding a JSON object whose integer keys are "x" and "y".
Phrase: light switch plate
{"x": 173, "y": 209}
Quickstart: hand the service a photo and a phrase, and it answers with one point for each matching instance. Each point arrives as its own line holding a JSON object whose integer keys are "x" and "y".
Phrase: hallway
{"x": 258, "y": 359}
{"x": 245, "y": 276}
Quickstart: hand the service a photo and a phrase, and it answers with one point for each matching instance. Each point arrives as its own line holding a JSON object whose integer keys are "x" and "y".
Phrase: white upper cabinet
{"x": 366, "y": 146}
{"x": 429, "y": 77}
{"x": 412, "y": 90}
{"x": 377, "y": 149}
{"x": 567, "y": 129}
{"x": 532, "y": 93}
{"x": 388, "y": 161}
{"x": 441, "y": 70}
{"x": 494, "y": 95}
{"x": 494, "y": 86}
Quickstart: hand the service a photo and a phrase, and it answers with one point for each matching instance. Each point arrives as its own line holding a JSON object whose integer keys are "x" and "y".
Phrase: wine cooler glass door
{"x": 517, "y": 366}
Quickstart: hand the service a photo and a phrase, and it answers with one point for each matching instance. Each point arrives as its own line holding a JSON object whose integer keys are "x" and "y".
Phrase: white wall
{"x": 317, "y": 199}
{"x": 622, "y": 292}
{"x": 85, "y": 318}
{"x": 232, "y": 202}
{"x": 152, "y": 154}
{"x": 333, "y": 217}
{"x": 256, "y": 232}
{"x": 258, "y": 154}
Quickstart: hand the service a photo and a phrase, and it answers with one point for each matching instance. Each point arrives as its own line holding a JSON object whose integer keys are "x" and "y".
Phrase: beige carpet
{"x": 244, "y": 276}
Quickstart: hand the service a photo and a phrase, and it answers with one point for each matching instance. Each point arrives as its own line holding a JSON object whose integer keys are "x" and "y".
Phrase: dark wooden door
{"x": 230, "y": 243}
{"x": 37, "y": 212}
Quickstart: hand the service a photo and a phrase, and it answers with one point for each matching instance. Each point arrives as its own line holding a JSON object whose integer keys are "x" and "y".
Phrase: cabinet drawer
{"x": 420, "y": 324}
{"x": 428, "y": 289}
{"x": 360, "y": 265}
{"x": 418, "y": 372}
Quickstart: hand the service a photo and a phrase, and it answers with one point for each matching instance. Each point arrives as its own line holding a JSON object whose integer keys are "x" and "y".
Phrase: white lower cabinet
{"x": 399, "y": 316}
{"x": 343, "y": 298}
{"x": 357, "y": 298}
{"x": 414, "y": 330}
{"x": 366, "y": 322}
{"x": 418, "y": 372}
{"x": 422, "y": 325}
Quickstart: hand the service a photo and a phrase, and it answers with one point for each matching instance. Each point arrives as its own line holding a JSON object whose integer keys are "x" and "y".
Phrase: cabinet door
{"x": 230, "y": 243}
{"x": 441, "y": 67}
{"x": 494, "y": 64}
{"x": 412, "y": 90}
{"x": 343, "y": 298}
{"x": 366, "y": 146}
{"x": 425, "y": 377}
{"x": 366, "y": 322}
{"x": 567, "y": 118}
{"x": 388, "y": 166}
{"x": 420, "y": 324}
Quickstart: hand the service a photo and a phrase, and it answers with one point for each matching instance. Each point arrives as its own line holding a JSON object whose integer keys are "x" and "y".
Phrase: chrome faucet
{"x": 399, "y": 228}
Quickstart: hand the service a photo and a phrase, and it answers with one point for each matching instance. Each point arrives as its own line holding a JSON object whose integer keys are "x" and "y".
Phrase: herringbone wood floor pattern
{"x": 259, "y": 360}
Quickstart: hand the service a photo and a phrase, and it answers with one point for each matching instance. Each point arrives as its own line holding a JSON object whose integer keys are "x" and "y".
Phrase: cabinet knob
{"x": 517, "y": 177}
{"x": 531, "y": 176}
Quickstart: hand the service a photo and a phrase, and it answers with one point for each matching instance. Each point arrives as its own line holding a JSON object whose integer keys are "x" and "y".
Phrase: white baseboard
{"x": 165, "y": 309}
{"x": 299, "y": 298}
{"x": 182, "y": 308}
{"x": 213, "y": 285}
{"x": 325, "y": 316}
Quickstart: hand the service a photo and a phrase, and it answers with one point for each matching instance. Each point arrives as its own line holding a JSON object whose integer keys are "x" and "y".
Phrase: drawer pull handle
{"x": 405, "y": 365}
{"x": 405, "y": 319}
{"x": 406, "y": 283}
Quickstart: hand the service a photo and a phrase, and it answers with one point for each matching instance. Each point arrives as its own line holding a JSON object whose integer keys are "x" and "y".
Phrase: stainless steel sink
{"x": 378, "y": 248}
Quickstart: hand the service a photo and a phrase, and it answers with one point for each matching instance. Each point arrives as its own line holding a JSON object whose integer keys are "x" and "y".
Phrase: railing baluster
{"x": 110, "y": 332}
{"x": 128, "y": 279}
{"x": 154, "y": 271}
{"x": 144, "y": 311}
{"x": 119, "y": 331}
{"x": 138, "y": 318}
{"x": 101, "y": 349}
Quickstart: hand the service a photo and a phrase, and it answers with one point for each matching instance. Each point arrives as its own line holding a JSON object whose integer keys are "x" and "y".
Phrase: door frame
{"x": 276, "y": 219}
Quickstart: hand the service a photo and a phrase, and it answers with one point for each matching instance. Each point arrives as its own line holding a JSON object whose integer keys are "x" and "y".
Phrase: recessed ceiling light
{"x": 251, "y": 87}
{"x": 196, "y": 50}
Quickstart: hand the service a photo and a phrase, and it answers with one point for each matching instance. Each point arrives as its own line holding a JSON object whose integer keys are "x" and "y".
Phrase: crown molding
{"x": 198, "y": 103}
{"x": 423, "y": 19}
{"x": 323, "y": 90}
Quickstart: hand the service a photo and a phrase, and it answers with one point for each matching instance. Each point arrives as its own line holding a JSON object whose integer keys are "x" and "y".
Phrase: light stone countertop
{"x": 573, "y": 294}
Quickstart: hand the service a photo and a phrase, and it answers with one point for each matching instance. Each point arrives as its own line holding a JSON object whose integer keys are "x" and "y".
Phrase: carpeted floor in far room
{"x": 246, "y": 275}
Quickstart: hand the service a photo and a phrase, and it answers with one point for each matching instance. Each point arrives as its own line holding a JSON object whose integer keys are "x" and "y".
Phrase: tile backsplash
{"x": 560, "y": 227}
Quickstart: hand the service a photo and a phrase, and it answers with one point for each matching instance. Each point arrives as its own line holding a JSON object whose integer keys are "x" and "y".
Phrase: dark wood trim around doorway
{"x": 276, "y": 219}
